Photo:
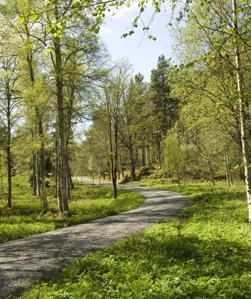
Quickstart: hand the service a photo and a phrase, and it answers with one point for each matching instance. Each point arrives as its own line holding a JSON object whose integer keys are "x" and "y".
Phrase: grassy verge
{"x": 88, "y": 203}
{"x": 205, "y": 252}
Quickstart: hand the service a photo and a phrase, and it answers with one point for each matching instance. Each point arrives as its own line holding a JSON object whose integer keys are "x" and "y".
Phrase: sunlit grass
{"x": 204, "y": 252}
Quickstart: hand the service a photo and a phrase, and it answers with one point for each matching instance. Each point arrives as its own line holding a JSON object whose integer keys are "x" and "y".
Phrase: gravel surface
{"x": 31, "y": 259}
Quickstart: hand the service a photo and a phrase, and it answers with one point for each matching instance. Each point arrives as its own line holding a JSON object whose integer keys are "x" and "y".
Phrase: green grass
{"x": 204, "y": 252}
{"x": 88, "y": 203}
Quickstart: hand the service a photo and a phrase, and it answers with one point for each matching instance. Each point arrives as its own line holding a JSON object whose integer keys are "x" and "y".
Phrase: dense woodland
{"x": 190, "y": 122}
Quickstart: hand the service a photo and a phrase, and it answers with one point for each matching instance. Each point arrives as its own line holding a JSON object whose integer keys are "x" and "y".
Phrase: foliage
{"x": 202, "y": 253}
{"x": 173, "y": 155}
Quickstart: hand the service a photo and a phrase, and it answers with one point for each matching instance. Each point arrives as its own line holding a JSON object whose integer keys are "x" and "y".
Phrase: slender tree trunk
{"x": 1, "y": 178}
{"x": 34, "y": 180}
{"x": 133, "y": 164}
{"x": 115, "y": 163}
{"x": 38, "y": 175}
{"x": 57, "y": 189}
{"x": 8, "y": 149}
{"x": 143, "y": 149}
{"x": 113, "y": 158}
{"x": 243, "y": 107}
{"x": 43, "y": 195}
{"x": 68, "y": 126}
{"x": 69, "y": 178}
{"x": 34, "y": 163}
{"x": 9, "y": 166}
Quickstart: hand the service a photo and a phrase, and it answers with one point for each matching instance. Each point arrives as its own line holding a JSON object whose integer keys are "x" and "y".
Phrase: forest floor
{"x": 88, "y": 203}
{"x": 203, "y": 252}
{"x": 37, "y": 257}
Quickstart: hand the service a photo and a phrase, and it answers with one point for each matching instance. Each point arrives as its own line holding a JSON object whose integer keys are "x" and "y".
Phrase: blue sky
{"x": 141, "y": 52}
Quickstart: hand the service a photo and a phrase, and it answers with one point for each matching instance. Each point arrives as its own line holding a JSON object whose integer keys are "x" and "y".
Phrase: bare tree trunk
{"x": 113, "y": 160}
{"x": 243, "y": 107}
{"x": 38, "y": 175}
{"x": 133, "y": 164}
{"x": 43, "y": 195}
{"x": 143, "y": 149}
{"x": 69, "y": 178}
{"x": 56, "y": 165}
{"x": 9, "y": 162}
{"x": 57, "y": 189}
{"x": 8, "y": 149}
{"x": 34, "y": 180}
{"x": 1, "y": 178}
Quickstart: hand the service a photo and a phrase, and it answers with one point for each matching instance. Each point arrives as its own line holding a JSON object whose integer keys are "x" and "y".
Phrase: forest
{"x": 68, "y": 111}
{"x": 189, "y": 121}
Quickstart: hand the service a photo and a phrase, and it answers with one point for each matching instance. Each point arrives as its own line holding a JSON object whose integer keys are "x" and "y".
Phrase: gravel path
{"x": 28, "y": 260}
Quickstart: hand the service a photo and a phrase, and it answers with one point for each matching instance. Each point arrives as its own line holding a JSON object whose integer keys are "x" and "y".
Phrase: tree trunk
{"x": 243, "y": 108}
{"x": 69, "y": 178}
{"x": 9, "y": 166}
{"x": 1, "y": 178}
{"x": 227, "y": 169}
{"x": 34, "y": 180}
{"x": 8, "y": 149}
{"x": 38, "y": 175}
{"x": 43, "y": 195}
{"x": 133, "y": 164}
{"x": 143, "y": 149}
{"x": 63, "y": 177}
{"x": 113, "y": 154}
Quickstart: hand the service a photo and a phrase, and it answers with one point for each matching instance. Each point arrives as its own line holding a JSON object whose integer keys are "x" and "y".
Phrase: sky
{"x": 141, "y": 52}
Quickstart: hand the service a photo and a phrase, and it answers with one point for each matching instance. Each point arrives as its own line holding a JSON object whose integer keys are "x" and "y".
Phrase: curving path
{"x": 28, "y": 260}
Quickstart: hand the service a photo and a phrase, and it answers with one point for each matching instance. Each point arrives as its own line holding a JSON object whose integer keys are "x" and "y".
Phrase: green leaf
{"x": 21, "y": 20}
